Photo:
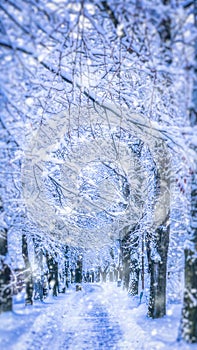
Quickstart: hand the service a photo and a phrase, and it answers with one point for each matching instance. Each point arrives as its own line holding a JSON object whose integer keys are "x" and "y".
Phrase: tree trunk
{"x": 5, "y": 288}
{"x": 5, "y": 272}
{"x": 158, "y": 262}
{"x": 28, "y": 273}
{"x": 98, "y": 274}
{"x": 134, "y": 264}
{"x": 53, "y": 274}
{"x": 189, "y": 311}
{"x": 188, "y": 328}
{"x": 125, "y": 265}
{"x": 78, "y": 271}
{"x": 143, "y": 262}
{"x": 158, "y": 273}
{"x": 130, "y": 261}
{"x": 66, "y": 267}
{"x": 134, "y": 282}
{"x": 39, "y": 280}
{"x": 164, "y": 30}
{"x": 111, "y": 276}
{"x": 104, "y": 276}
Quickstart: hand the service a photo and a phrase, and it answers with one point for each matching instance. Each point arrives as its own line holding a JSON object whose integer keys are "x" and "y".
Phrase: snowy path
{"x": 96, "y": 318}
{"x": 80, "y": 320}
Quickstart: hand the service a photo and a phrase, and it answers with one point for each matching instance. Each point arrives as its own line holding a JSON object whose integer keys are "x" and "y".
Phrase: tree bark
{"x": 158, "y": 273}
{"x": 5, "y": 272}
{"x": 189, "y": 311}
{"x": 39, "y": 280}
{"x": 130, "y": 262}
{"x": 66, "y": 267}
{"x": 78, "y": 271}
{"x": 134, "y": 265}
{"x": 125, "y": 262}
{"x": 28, "y": 273}
{"x": 188, "y": 328}
{"x": 6, "y": 288}
{"x": 53, "y": 274}
{"x": 104, "y": 274}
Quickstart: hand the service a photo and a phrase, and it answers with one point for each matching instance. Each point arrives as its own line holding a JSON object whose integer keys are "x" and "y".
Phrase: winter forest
{"x": 98, "y": 174}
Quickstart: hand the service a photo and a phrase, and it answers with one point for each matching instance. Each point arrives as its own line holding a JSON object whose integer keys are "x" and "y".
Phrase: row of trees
{"x": 106, "y": 94}
{"x": 56, "y": 270}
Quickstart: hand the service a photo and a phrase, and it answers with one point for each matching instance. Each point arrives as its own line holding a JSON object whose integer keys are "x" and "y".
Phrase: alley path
{"x": 75, "y": 321}
{"x": 100, "y": 317}
{"x": 83, "y": 320}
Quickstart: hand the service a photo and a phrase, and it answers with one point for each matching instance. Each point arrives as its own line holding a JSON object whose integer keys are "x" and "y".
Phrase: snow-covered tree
{"x": 189, "y": 312}
{"x": 87, "y": 81}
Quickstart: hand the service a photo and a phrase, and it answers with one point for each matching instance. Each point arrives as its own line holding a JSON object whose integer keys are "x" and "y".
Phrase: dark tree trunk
{"x": 39, "y": 280}
{"x": 188, "y": 329}
{"x": 78, "y": 271}
{"x": 5, "y": 275}
{"x": 189, "y": 311}
{"x": 5, "y": 288}
{"x": 53, "y": 273}
{"x": 92, "y": 274}
{"x": 130, "y": 261}
{"x": 164, "y": 30}
{"x": 158, "y": 262}
{"x": 125, "y": 257}
{"x": 66, "y": 267}
{"x": 28, "y": 273}
{"x": 158, "y": 273}
{"x": 126, "y": 269}
{"x": 3, "y": 242}
{"x": 72, "y": 275}
{"x": 134, "y": 282}
{"x": 143, "y": 263}
{"x": 134, "y": 264}
{"x": 148, "y": 251}
{"x": 98, "y": 274}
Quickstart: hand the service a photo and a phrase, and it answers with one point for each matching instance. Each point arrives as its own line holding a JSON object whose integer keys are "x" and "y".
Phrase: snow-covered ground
{"x": 98, "y": 317}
